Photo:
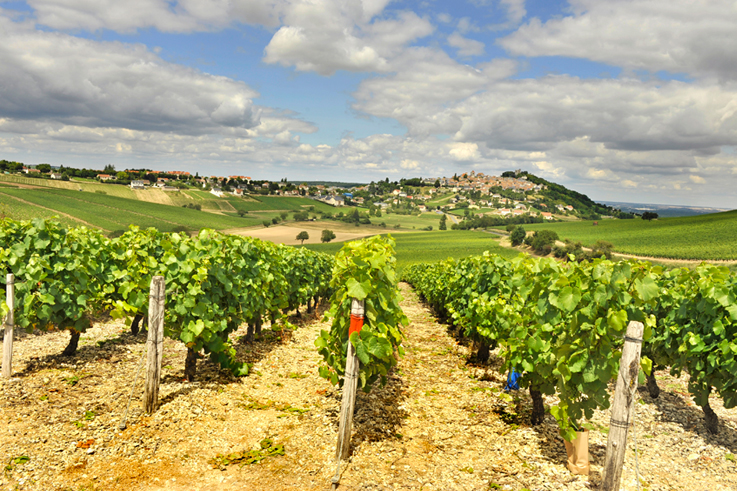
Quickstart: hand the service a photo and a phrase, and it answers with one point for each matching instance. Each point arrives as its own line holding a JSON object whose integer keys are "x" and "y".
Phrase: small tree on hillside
{"x": 266, "y": 223}
{"x": 517, "y": 236}
{"x": 543, "y": 241}
{"x": 649, "y": 215}
{"x": 303, "y": 236}
{"x": 443, "y": 223}
{"x": 327, "y": 235}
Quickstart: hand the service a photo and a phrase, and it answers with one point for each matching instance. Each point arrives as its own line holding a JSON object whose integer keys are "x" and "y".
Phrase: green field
{"x": 409, "y": 222}
{"x": 16, "y": 210}
{"x": 83, "y": 184}
{"x": 114, "y": 213}
{"x": 419, "y": 247}
{"x": 442, "y": 199}
{"x": 709, "y": 237}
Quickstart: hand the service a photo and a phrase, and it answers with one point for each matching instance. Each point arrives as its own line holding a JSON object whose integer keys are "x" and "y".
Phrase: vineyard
{"x": 66, "y": 277}
{"x": 562, "y": 325}
{"x": 704, "y": 237}
{"x": 112, "y": 213}
{"x": 431, "y": 413}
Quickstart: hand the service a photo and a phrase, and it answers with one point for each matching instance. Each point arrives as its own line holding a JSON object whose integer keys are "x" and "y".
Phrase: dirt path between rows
{"x": 440, "y": 423}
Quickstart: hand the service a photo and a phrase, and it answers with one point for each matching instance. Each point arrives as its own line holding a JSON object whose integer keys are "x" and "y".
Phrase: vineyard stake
{"x": 624, "y": 399}
{"x": 8, "y": 339}
{"x": 350, "y": 384}
{"x": 155, "y": 342}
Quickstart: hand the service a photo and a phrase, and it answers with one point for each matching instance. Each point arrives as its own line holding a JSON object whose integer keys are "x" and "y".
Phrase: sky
{"x": 631, "y": 101}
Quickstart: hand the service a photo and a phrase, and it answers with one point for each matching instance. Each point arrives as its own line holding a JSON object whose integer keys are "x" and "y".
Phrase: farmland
{"x": 111, "y": 212}
{"x": 709, "y": 237}
{"x": 417, "y": 247}
{"x": 114, "y": 207}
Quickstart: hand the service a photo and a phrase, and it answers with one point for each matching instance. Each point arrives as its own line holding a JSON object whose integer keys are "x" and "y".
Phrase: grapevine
{"x": 364, "y": 270}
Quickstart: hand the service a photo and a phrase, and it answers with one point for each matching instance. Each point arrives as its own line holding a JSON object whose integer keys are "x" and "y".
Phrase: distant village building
{"x": 137, "y": 185}
{"x": 217, "y": 192}
{"x": 335, "y": 200}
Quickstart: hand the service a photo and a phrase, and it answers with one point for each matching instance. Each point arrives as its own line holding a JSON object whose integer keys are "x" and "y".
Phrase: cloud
{"x": 328, "y": 36}
{"x": 55, "y": 77}
{"x": 463, "y": 151}
{"x": 425, "y": 83}
{"x": 163, "y": 15}
{"x": 693, "y": 37}
{"x": 466, "y": 47}
{"x": 621, "y": 114}
{"x": 515, "y": 10}
{"x": 697, "y": 179}
{"x": 321, "y": 35}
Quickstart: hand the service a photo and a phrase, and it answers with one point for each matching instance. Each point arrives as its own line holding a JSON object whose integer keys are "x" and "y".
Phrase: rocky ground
{"x": 441, "y": 423}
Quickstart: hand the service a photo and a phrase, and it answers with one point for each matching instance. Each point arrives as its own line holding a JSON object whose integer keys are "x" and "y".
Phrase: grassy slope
{"x": 441, "y": 199}
{"x": 408, "y": 221}
{"x": 421, "y": 247}
{"x": 697, "y": 237}
{"x": 84, "y": 184}
{"x": 16, "y": 210}
{"x": 114, "y": 213}
{"x": 102, "y": 206}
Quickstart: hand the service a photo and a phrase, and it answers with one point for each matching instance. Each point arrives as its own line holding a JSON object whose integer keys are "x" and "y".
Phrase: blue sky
{"x": 623, "y": 100}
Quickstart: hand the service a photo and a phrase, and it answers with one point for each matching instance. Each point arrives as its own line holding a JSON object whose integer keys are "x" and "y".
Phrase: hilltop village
{"x": 514, "y": 194}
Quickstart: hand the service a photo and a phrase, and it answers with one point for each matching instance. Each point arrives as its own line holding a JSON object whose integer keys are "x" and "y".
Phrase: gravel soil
{"x": 440, "y": 423}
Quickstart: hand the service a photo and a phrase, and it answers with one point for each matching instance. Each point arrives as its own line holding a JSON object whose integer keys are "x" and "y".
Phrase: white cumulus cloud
{"x": 696, "y": 37}
{"x": 57, "y": 77}
{"x": 466, "y": 46}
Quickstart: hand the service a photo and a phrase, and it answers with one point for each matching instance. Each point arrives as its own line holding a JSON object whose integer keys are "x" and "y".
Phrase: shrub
{"x": 543, "y": 241}
{"x": 575, "y": 248}
{"x": 517, "y": 236}
{"x": 327, "y": 236}
{"x": 602, "y": 248}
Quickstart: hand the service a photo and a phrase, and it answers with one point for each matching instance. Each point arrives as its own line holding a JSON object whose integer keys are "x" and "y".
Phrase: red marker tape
{"x": 356, "y": 324}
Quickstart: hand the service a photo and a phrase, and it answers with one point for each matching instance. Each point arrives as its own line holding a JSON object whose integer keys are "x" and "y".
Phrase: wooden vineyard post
{"x": 9, "y": 321}
{"x": 624, "y": 399}
{"x": 350, "y": 383}
{"x": 155, "y": 342}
